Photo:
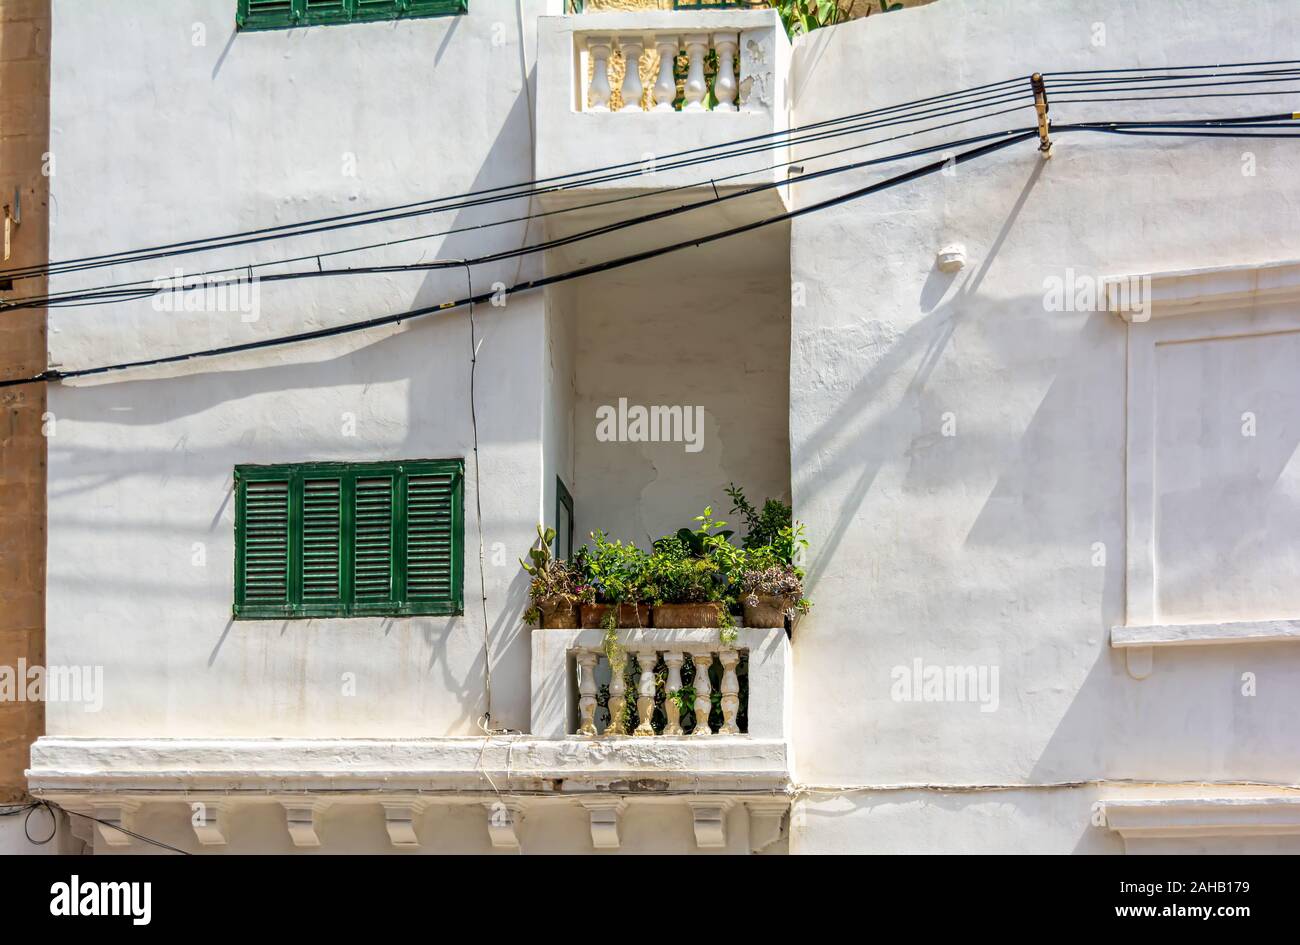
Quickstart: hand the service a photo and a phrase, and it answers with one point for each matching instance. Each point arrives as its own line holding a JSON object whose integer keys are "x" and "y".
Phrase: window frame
{"x": 563, "y": 502}
{"x": 298, "y": 14}
{"x": 346, "y": 607}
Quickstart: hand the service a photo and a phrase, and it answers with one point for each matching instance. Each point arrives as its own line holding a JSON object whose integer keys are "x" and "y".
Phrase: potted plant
{"x": 689, "y": 575}
{"x": 614, "y": 572}
{"x": 770, "y": 590}
{"x": 555, "y": 589}
{"x": 770, "y": 582}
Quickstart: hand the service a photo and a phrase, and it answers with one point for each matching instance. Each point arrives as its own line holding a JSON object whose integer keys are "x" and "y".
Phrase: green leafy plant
{"x": 804, "y": 16}
{"x": 774, "y": 544}
{"x": 694, "y": 565}
{"x": 614, "y": 570}
{"x": 761, "y": 527}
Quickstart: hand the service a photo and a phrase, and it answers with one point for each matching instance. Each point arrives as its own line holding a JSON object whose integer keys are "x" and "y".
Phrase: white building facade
{"x": 1053, "y": 522}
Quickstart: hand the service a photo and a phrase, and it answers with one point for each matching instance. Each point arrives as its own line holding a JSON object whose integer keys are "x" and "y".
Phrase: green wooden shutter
{"x": 325, "y": 11}
{"x": 322, "y": 543}
{"x": 262, "y": 565}
{"x": 433, "y": 512}
{"x": 280, "y": 14}
{"x": 349, "y": 539}
{"x": 266, "y": 14}
{"x": 372, "y": 544}
{"x": 376, "y": 9}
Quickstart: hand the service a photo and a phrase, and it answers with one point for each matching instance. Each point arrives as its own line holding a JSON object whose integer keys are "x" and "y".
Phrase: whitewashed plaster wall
{"x": 979, "y": 548}
{"x": 704, "y": 328}
{"x": 160, "y": 139}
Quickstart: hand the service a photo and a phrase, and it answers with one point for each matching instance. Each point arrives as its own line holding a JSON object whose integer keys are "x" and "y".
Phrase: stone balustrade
{"x": 658, "y": 679}
{"x": 672, "y": 682}
{"x": 662, "y": 50}
{"x": 687, "y": 68}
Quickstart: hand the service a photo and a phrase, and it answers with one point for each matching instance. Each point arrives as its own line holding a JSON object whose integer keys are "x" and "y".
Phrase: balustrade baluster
{"x": 672, "y": 686}
{"x": 724, "y": 83}
{"x": 730, "y": 692}
{"x": 617, "y": 701}
{"x": 598, "y": 47}
{"x": 702, "y": 689}
{"x": 631, "y": 47}
{"x": 697, "y": 46}
{"x": 665, "y": 89}
{"x": 645, "y": 692}
{"x": 587, "y": 692}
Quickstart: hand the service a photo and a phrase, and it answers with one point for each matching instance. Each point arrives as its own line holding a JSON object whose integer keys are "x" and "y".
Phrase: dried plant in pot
{"x": 556, "y": 588}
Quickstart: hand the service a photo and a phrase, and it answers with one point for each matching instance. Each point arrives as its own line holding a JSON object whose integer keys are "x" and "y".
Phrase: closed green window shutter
{"x": 431, "y": 521}
{"x": 322, "y": 540}
{"x": 373, "y": 542}
{"x": 279, "y": 14}
{"x": 340, "y": 539}
{"x": 262, "y": 548}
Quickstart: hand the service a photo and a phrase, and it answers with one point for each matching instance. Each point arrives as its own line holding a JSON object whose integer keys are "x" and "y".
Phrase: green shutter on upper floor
{"x": 283, "y": 14}
{"x": 349, "y": 539}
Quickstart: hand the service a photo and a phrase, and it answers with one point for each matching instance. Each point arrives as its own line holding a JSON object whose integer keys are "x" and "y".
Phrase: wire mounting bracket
{"x": 1044, "y": 123}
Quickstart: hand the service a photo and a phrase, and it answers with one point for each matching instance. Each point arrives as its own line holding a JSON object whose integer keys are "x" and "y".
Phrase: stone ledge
{"x": 1205, "y": 816}
{"x": 1206, "y": 634}
{"x": 571, "y": 765}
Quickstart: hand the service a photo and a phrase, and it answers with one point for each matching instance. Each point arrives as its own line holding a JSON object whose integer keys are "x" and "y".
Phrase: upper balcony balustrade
{"x": 701, "y": 80}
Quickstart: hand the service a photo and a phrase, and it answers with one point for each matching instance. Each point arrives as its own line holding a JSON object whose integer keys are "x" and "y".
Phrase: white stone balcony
{"x": 593, "y": 111}
{"x": 569, "y": 668}
{"x": 724, "y": 787}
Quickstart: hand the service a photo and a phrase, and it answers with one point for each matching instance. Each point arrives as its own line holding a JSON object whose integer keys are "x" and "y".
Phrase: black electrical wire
{"x": 260, "y": 237}
{"x": 288, "y": 230}
{"x": 119, "y": 827}
{"x": 1213, "y": 65}
{"x": 530, "y": 188}
{"x": 111, "y": 294}
{"x": 1203, "y": 128}
{"x": 528, "y": 285}
{"x": 137, "y": 291}
{"x": 1169, "y": 98}
{"x": 1000, "y": 85}
{"x": 1055, "y": 90}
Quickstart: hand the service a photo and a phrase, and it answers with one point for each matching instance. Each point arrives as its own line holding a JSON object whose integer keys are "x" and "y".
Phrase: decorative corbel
{"x": 302, "y": 819}
{"x": 710, "y": 820}
{"x": 605, "y": 813}
{"x": 208, "y": 819}
{"x": 503, "y": 819}
{"x": 399, "y": 819}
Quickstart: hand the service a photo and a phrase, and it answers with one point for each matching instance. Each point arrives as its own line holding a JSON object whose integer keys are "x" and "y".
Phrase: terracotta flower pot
{"x": 682, "y": 616}
{"x": 629, "y": 616}
{"x": 558, "y": 613}
{"x": 766, "y": 610}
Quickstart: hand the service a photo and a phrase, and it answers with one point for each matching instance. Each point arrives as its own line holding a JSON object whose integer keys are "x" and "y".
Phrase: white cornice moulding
{"x": 65, "y": 765}
{"x": 1138, "y": 642}
{"x": 1192, "y": 291}
{"x": 1206, "y": 634}
{"x": 1208, "y": 816}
